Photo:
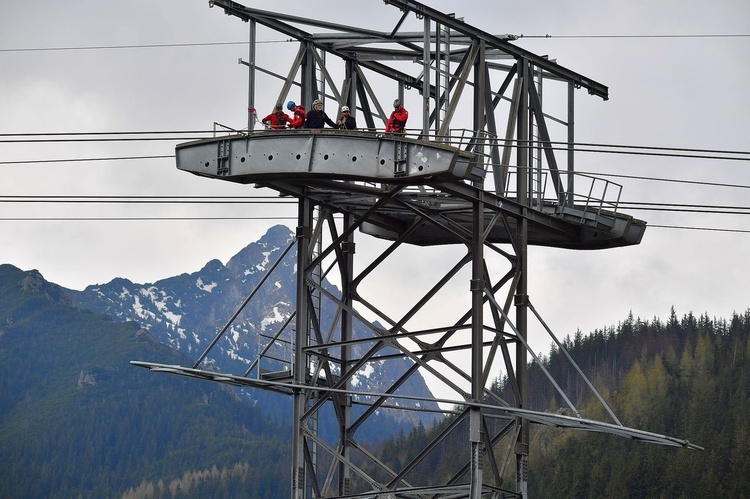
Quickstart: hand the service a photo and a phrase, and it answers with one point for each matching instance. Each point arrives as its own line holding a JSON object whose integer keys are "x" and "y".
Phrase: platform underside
{"x": 423, "y": 192}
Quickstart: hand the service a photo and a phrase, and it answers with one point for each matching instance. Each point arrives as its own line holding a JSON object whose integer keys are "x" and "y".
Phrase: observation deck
{"x": 430, "y": 185}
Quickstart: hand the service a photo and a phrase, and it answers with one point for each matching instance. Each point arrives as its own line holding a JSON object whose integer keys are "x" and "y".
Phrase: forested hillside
{"x": 77, "y": 420}
{"x": 688, "y": 378}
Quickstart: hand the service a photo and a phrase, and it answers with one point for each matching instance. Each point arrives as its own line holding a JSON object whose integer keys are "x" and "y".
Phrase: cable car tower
{"x": 492, "y": 186}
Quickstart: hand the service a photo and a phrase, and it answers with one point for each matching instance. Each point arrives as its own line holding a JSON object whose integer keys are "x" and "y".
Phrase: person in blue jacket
{"x": 317, "y": 118}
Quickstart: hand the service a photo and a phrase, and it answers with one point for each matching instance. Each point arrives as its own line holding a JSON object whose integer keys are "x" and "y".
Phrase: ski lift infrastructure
{"x": 494, "y": 186}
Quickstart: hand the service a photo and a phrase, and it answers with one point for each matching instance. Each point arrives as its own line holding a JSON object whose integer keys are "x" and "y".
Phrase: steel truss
{"x": 340, "y": 335}
{"x": 488, "y": 432}
{"x": 453, "y": 56}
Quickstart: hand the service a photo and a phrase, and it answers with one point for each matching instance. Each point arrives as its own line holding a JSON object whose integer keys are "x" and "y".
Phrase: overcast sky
{"x": 684, "y": 91}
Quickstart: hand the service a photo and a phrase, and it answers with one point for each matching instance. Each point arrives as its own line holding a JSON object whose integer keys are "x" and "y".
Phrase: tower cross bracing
{"x": 482, "y": 173}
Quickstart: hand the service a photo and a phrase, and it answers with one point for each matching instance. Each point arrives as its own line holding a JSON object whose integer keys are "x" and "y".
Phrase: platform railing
{"x": 602, "y": 195}
{"x": 592, "y": 195}
{"x": 219, "y": 128}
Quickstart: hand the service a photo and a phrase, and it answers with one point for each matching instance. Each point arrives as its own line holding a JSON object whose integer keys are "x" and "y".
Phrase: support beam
{"x": 477, "y": 347}
{"x": 522, "y": 441}
{"x": 420, "y": 9}
{"x": 304, "y": 231}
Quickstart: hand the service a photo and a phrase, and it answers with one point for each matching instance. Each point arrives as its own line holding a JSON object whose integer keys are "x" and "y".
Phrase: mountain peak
{"x": 277, "y": 235}
{"x": 187, "y": 311}
{"x": 33, "y": 283}
{"x": 259, "y": 252}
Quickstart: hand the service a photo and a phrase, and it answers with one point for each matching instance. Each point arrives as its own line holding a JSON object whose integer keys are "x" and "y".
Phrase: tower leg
{"x": 304, "y": 230}
{"x": 477, "y": 359}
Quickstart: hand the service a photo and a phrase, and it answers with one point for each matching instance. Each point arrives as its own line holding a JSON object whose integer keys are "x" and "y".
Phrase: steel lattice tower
{"x": 489, "y": 189}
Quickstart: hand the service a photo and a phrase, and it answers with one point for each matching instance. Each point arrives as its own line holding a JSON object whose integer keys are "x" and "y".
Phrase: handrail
{"x": 227, "y": 128}
{"x": 601, "y": 194}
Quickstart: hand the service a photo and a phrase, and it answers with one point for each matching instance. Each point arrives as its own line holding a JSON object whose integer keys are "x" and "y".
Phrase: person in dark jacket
{"x": 347, "y": 121}
{"x": 278, "y": 119}
{"x": 317, "y": 118}
{"x": 298, "y": 120}
{"x": 397, "y": 121}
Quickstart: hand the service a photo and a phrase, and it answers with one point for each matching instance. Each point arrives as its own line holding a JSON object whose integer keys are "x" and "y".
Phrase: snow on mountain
{"x": 187, "y": 311}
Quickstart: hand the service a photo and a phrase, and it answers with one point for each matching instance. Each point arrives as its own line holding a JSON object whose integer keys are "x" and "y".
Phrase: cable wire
{"x": 638, "y": 150}
{"x": 171, "y": 219}
{"x": 711, "y": 229}
{"x": 142, "y": 46}
{"x": 80, "y": 160}
{"x": 148, "y": 199}
{"x": 214, "y": 44}
{"x": 180, "y": 135}
{"x": 134, "y": 219}
{"x": 715, "y": 35}
{"x": 669, "y": 180}
{"x": 182, "y": 199}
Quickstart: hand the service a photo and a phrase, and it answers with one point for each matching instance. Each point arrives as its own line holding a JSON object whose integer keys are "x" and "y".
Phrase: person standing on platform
{"x": 397, "y": 121}
{"x": 317, "y": 118}
{"x": 278, "y": 119}
{"x": 298, "y": 120}
{"x": 347, "y": 121}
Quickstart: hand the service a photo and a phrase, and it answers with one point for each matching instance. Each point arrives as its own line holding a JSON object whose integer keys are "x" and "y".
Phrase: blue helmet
{"x": 291, "y": 105}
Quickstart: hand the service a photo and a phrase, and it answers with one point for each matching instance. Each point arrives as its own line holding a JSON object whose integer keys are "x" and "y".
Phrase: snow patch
{"x": 262, "y": 265}
{"x": 140, "y": 311}
{"x": 172, "y": 317}
{"x": 233, "y": 355}
{"x": 205, "y": 287}
{"x": 276, "y": 317}
{"x": 125, "y": 293}
{"x": 367, "y": 370}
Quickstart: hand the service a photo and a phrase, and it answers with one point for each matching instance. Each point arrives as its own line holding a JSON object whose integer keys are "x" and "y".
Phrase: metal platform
{"x": 326, "y": 154}
{"x": 351, "y": 171}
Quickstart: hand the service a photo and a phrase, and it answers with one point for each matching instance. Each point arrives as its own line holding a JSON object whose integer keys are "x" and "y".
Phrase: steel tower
{"x": 491, "y": 186}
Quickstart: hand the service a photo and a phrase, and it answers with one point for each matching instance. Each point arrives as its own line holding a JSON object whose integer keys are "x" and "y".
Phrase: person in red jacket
{"x": 397, "y": 121}
{"x": 278, "y": 119}
{"x": 299, "y": 114}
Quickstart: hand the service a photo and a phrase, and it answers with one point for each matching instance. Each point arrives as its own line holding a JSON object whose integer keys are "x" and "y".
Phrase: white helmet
{"x": 345, "y": 108}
